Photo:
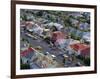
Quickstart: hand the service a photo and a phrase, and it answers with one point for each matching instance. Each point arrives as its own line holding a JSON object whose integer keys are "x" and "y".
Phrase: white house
{"x": 57, "y": 25}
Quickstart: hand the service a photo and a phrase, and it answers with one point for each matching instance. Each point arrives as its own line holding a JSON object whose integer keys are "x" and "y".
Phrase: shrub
{"x": 25, "y": 66}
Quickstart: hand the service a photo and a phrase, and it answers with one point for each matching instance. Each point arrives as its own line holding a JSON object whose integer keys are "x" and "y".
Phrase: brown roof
{"x": 58, "y": 35}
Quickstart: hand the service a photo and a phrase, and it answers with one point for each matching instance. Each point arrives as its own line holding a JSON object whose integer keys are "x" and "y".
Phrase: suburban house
{"x": 74, "y": 22}
{"x": 86, "y": 37}
{"x": 24, "y": 45}
{"x": 28, "y": 55}
{"x": 34, "y": 27}
{"x": 76, "y": 15}
{"x": 37, "y": 29}
{"x": 22, "y": 26}
{"x": 29, "y": 26}
{"x": 84, "y": 26}
{"x": 22, "y": 23}
{"x": 81, "y": 49}
{"x": 57, "y": 25}
{"x": 58, "y": 38}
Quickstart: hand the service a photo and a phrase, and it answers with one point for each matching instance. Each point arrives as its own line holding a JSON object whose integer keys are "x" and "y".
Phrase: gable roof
{"x": 84, "y": 49}
{"x": 26, "y": 52}
{"x": 58, "y": 35}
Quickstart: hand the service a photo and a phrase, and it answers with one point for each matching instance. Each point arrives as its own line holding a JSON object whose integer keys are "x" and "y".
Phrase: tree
{"x": 87, "y": 61}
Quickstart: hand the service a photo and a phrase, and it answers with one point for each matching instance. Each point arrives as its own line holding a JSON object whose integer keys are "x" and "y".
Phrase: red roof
{"x": 26, "y": 52}
{"x": 58, "y": 35}
{"x": 84, "y": 49}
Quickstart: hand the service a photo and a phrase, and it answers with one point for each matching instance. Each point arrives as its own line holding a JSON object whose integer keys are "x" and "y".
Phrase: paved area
{"x": 53, "y": 51}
